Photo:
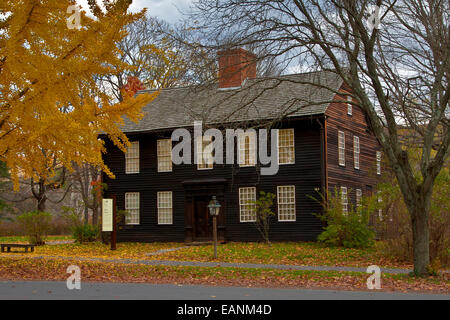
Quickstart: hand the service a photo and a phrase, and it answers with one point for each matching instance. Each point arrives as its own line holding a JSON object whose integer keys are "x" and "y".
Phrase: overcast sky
{"x": 168, "y": 10}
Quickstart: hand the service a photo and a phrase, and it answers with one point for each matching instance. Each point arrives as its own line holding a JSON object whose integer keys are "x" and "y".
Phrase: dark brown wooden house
{"x": 323, "y": 142}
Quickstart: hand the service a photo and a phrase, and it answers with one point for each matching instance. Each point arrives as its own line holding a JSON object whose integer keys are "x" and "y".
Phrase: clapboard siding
{"x": 305, "y": 174}
{"x": 338, "y": 120}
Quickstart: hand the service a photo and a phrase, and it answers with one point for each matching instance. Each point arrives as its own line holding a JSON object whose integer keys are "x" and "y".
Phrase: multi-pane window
{"x": 286, "y": 203}
{"x": 247, "y": 206}
{"x": 341, "y": 146}
{"x": 165, "y": 209}
{"x": 356, "y": 151}
{"x": 358, "y": 197}
{"x": 349, "y": 105}
{"x": 204, "y": 153}
{"x": 247, "y": 149}
{"x": 132, "y": 207}
{"x": 286, "y": 149}
{"x": 378, "y": 162}
{"x": 344, "y": 199}
{"x": 164, "y": 151}
{"x": 132, "y": 158}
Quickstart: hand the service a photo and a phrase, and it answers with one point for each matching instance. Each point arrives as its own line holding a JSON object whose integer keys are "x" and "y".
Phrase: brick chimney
{"x": 235, "y": 65}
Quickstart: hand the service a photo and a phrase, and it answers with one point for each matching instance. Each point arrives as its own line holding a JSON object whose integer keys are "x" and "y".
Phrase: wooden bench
{"x": 8, "y": 246}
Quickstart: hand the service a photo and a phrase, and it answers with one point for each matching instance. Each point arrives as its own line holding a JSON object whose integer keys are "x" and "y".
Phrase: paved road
{"x": 91, "y": 290}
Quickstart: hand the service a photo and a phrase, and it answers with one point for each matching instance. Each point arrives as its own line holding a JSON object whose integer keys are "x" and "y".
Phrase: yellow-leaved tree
{"x": 51, "y": 108}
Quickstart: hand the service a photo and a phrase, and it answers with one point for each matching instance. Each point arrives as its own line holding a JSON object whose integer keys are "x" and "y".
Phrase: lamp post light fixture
{"x": 214, "y": 209}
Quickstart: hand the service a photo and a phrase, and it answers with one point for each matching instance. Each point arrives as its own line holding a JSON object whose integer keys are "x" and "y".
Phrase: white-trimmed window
{"x": 286, "y": 147}
{"x": 358, "y": 197}
{"x": 341, "y": 146}
{"x": 247, "y": 207}
{"x": 132, "y": 158}
{"x": 204, "y": 153}
{"x": 349, "y": 106}
{"x": 286, "y": 203}
{"x": 165, "y": 209}
{"x": 132, "y": 207}
{"x": 344, "y": 199}
{"x": 378, "y": 162}
{"x": 164, "y": 151}
{"x": 247, "y": 149}
{"x": 356, "y": 151}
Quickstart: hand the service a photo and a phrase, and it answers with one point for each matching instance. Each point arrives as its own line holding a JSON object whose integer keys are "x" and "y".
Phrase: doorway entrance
{"x": 202, "y": 219}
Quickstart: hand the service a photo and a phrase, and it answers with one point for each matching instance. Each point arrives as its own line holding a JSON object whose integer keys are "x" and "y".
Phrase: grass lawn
{"x": 291, "y": 253}
{"x": 23, "y": 239}
{"x": 22, "y": 268}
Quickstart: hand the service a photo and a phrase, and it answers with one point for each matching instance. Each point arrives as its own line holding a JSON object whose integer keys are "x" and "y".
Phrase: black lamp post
{"x": 214, "y": 209}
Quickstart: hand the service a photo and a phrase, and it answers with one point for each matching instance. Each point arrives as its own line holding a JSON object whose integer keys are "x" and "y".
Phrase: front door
{"x": 202, "y": 219}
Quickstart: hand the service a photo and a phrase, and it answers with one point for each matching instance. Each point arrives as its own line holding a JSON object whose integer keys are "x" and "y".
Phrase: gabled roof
{"x": 261, "y": 98}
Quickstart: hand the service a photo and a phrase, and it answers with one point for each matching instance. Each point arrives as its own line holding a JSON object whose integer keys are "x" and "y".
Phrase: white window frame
{"x": 163, "y": 206}
{"x": 247, "y": 153}
{"x": 378, "y": 162}
{"x": 132, "y": 206}
{"x": 247, "y": 211}
{"x": 286, "y": 200}
{"x": 205, "y": 153}
{"x": 290, "y": 147}
{"x": 358, "y": 197}
{"x": 349, "y": 106}
{"x": 341, "y": 148}
{"x": 356, "y": 152}
{"x": 344, "y": 200}
{"x": 132, "y": 155}
{"x": 164, "y": 156}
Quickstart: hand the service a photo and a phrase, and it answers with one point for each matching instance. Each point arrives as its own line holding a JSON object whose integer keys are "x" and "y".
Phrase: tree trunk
{"x": 421, "y": 238}
{"x": 41, "y": 204}
{"x": 86, "y": 215}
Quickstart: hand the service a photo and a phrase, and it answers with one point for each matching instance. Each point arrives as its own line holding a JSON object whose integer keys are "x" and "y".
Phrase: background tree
{"x": 49, "y": 99}
{"x": 397, "y": 64}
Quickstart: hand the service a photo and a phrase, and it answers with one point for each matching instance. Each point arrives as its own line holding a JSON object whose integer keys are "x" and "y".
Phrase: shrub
{"x": 263, "y": 211}
{"x": 36, "y": 225}
{"x": 81, "y": 231}
{"x": 346, "y": 229}
{"x": 85, "y": 233}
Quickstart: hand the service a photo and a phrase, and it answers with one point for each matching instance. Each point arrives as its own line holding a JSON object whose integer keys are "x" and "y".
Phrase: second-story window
{"x": 164, "y": 152}
{"x": 286, "y": 147}
{"x": 356, "y": 151}
{"x": 247, "y": 149}
{"x": 204, "y": 153}
{"x": 132, "y": 158}
{"x": 341, "y": 146}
